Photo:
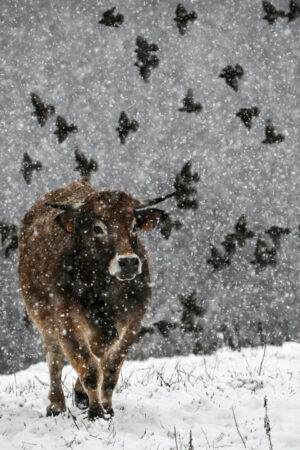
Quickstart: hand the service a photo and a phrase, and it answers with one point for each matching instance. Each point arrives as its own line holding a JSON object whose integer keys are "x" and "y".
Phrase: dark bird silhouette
{"x": 42, "y": 111}
{"x": 232, "y": 75}
{"x": 168, "y": 225}
{"x": 85, "y": 166}
{"x": 221, "y": 254}
{"x": 9, "y": 237}
{"x": 63, "y": 129}
{"x": 183, "y": 17}
{"x": 126, "y": 125}
{"x": 246, "y": 115}
{"x": 27, "y": 321}
{"x": 294, "y": 11}
{"x": 143, "y": 331}
{"x": 146, "y": 60}
{"x": 110, "y": 19}
{"x": 28, "y": 166}
{"x": 241, "y": 233}
{"x": 189, "y": 105}
{"x": 164, "y": 327}
{"x": 191, "y": 311}
{"x": 185, "y": 192}
{"x": 271, "y": 136}
{"x": 276, "y": 233}
{"x": 264, "y": 255}
{"x": 272, "y": 13}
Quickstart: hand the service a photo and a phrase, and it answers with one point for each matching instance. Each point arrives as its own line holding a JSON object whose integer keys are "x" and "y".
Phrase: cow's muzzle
{"x": 125, "y": 267}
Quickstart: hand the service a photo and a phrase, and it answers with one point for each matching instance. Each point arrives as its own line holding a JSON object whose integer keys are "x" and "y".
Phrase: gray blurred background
{"x": 86, "y": 70}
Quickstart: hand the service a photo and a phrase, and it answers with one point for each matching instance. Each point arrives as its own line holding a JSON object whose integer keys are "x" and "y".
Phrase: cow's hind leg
{"x": 55, "y": 360}
{"x": 80, "y": 396}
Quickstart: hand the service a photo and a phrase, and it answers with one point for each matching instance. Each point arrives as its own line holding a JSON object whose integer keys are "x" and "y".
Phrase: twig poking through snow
{"x": 237, "y": 427}
{"x": 175, "y": 437}
{"x": 205, "y": 435}
{"x": 191, "y": 447}
{"x": 267, "y": 425}
{"x": 262, "y": 360}
{"x": 73, "y": 418}
{"x": 43, "y": 383}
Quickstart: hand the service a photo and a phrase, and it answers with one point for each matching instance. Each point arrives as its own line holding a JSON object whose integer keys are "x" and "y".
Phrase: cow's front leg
{"x": 112, "y": 362}
{"x": 111, "y": 374}
{"x": 87, "y": 366}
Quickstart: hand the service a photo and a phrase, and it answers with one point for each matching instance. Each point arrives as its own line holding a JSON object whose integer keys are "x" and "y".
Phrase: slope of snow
{"x": 160, "y": 397}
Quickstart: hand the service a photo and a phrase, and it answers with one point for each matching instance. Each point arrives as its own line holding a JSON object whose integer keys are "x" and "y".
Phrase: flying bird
{"x": 241, "y": 233}
{"x": 42, "y": 111}
{"x": 9, "y": 238}
{"x": 146, "y": 60}
{"x": 164, "y": 327}
{"x": 189, "y": 105}
{"x": 63, "y": 129}
{"x": 221, "y": 254}
{"x": 246, "y": 115}
{"x": 183, "y": 17}
{"x": 276, "y": 233}
{"x": 85, "y": 166}
{"x": 231, "y": 75}
{"x": 271, "y": 136}
{"x": 110, "y": 19}
{"x": 28, "y": 166}
{"x": 294, "y": 11}
{"x": 185, "y": 192}
{"x": 143, "y": 331}
{"x": 125, "y": 126}
{"x": 272, "y": 13}
{"x": 168, "y": 225}
{"x": 265, "y": 256}
{"x": 191, "y": 311}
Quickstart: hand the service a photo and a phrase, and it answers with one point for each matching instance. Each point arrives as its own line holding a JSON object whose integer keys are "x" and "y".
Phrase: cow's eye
{"x": 98, "y": 230}
{"x": 135, "y": 228}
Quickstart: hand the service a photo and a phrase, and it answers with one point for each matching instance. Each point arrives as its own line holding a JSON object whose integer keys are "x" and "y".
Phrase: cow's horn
{"x": 145, "y": 203}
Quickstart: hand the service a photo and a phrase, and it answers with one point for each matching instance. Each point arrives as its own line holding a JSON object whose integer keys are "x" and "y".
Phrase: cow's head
{"x": 107, "y": 224}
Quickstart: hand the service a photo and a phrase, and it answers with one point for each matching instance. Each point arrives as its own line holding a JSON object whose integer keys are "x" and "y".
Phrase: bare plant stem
{"x": 237, "y": 427}
{"x": 175, "y": 437}
{"x": 205, "y": 435}
{"x": 262, "y": 360}
{"x": 267, "y": 425}
{"x": 73, "y": 418}
{"x": 191, "y": 447}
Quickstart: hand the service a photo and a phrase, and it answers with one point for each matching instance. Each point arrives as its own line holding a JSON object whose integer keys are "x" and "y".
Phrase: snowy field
{"x": 171, "y": 403}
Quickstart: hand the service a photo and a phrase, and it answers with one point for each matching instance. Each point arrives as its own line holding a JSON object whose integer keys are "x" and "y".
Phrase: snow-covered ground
{"x": 163, "y": 403}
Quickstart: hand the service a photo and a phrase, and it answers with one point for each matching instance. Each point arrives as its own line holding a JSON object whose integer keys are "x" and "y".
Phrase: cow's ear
{"x": 67, "y": 221}
{"x": 148, "y": 219}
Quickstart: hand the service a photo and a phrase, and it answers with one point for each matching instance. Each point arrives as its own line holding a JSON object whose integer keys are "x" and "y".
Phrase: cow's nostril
{"x": 129, "y": 263}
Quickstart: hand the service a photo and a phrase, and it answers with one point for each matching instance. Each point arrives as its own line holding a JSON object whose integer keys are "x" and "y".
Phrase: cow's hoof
{"x": 54, "y": 409}
{"x": 96, "y": 412}
{"x": 109, "y": 412}
{"x": 81, "y": 400}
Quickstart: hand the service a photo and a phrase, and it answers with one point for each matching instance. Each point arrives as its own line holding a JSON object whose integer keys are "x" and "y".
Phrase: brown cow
{"x": 85, "y": 281}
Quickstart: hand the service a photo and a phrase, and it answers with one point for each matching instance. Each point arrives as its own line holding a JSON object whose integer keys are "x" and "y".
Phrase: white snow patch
{"x": 158, "y": 396}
